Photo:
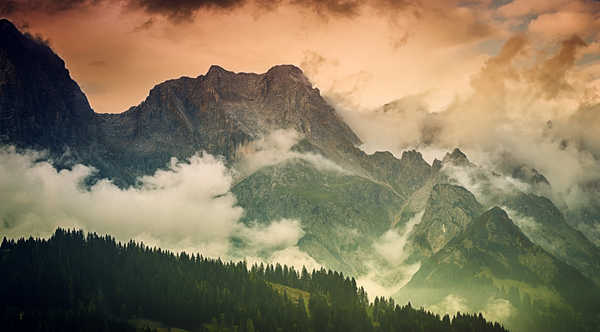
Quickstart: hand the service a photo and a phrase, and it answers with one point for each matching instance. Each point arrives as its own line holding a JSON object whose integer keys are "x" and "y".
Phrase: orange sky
{"x": 365, "y": 53}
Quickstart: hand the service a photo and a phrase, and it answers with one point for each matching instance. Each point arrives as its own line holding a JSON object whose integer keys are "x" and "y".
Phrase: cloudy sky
{"x": 511, "y": 83}
{"x": 370, "y": 51}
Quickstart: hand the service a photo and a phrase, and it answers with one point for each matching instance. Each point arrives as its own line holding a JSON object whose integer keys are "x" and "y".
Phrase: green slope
{"x": 341, "y": 214}
{"x": 545, "y": 225}
{"x": 492, "y": 260}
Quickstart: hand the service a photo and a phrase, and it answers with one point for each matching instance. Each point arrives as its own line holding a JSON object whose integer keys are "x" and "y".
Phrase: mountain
{"x": 360, "y": 214}
{"x": 218, "y": 113}
{"x": 221, "y": 113}
{"x": 492, "y": 262}
{"x": 331, "y": 206}
{"x": 456, "y": 158}
{"x": 40, "y": 105}
{"x": 545, "y": 225}
{"x": 448, "y": 212}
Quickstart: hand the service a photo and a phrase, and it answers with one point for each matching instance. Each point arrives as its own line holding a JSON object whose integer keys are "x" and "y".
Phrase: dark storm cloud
{"x": 185, "y": 10}
{"x": 48, "y": 6}
{"x": 177, "y": 10}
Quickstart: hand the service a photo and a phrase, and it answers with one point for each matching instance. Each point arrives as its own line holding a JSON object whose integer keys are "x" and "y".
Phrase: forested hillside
{"x": 74, "y": 281}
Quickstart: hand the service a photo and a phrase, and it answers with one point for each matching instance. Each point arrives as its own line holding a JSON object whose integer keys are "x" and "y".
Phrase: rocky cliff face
{"x": 218, "y": 112}
{"x": 449, "y": 210}
{"x": 40, "y": 105}
{"x": 222, "y": 110}
{"x": 43, "y": 108}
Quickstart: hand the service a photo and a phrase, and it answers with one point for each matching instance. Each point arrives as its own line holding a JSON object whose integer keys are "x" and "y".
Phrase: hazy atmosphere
{"x": 440, "y": 153}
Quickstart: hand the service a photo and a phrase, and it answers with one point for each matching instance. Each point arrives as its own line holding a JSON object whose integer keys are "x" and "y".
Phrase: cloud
{"x": 388, "y": 269}
{"x": 527, "y": 108}
{"x": 392, "y": 244}
{"x": 292, "y": 256}
{"x": 551, "y": 74}
{"x": 185, "y": 207}
{"x": 415, "y": 40}
{"x": 494, "y": 309}
{"x": 527, "y": 7}
{"x": 185, "y": 10}
{"x": 389, "y": 283}
{"x": 49, "y": 6}
{"x": 565, "y": 23}
{"x": 272, "y": 243}
{"x": 275, "y": 148}
{"x": 533, "y": 230}
{"x": 277, "y": 235}
{"x": 498, "y": 309}
{"x": 486, "y": 185}
{"x": 451, "y": 305}
{"x": 313, "y": 63}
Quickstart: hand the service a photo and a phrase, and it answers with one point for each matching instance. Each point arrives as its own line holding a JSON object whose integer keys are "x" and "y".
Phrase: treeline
{"x": 77, "y": 282}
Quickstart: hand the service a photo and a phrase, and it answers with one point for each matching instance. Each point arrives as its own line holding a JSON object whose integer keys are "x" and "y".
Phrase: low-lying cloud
{"x": 495, "y": 309}
{"x": 275, "y": 148}
{"x": 392, "y": 244}
{"x": 388, "y": 270}
{"x": 185, "y": 207}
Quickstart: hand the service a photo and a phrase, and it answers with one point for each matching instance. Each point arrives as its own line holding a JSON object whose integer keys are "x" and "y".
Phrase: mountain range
{"x": 407, "y": 224}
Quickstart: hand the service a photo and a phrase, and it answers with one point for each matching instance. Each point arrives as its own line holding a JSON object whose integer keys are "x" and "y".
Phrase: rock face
{"x": 40, "y": 105}
{"x": 456, "y": 158}
{"x": 405, "y": 175}
{"x": 449, "y": 210}
{"x": 43, "y": 108}
{"x": 220, "y": 111}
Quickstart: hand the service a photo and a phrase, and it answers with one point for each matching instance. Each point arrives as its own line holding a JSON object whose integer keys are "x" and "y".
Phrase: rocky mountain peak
{"x": 282, "y": 79}
{"x": 529, "y": 175}
{"x": 495, "y": 226}
{"x": 448, "y": 211}
{"x": 412, "y": 156}
{"x": 6, "y": 26}
{"x": 216, "y": 70}
{"x": 18, "y": 46}
{"x": 496, "y": 214}
{"x": 40, "y": 105}
{"x": 456, "y": 158}
{"x": 286, "y": 72}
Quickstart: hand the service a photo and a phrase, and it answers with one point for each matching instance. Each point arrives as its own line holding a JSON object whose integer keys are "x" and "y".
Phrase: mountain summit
{"x": 43, "y": 108}
{"x": 218, "y": 112}
{"x": 40, "y": 105}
